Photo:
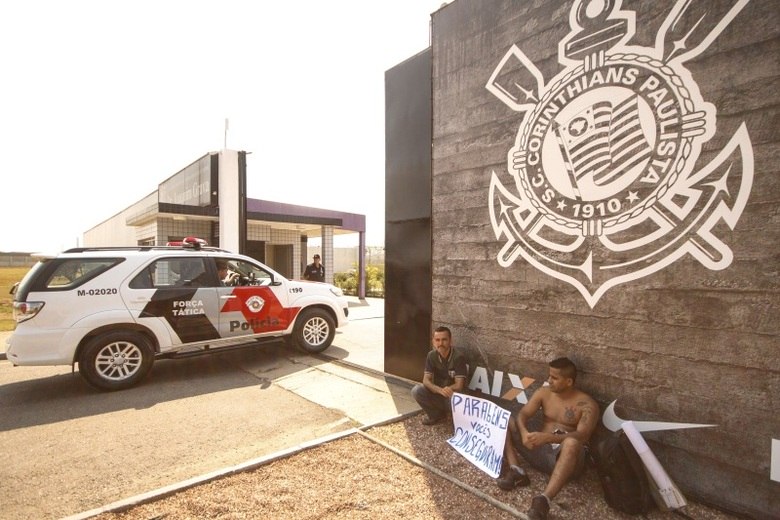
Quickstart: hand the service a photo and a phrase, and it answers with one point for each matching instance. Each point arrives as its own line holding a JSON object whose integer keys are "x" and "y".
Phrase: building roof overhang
{"x": 303, "y": 219}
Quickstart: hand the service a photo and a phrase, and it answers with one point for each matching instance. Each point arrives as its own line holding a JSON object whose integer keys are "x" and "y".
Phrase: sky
{"x": 100, "y": 101}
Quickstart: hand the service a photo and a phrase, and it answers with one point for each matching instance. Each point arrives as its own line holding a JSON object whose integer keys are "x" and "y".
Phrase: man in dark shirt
{"x": 445, "y": 374}
{"x": 315, "y": 271}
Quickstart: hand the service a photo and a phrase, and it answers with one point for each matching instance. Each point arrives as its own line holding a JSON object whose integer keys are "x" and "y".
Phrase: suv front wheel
{"x": 116, "y": 360}
{"x": 314, "y": 331}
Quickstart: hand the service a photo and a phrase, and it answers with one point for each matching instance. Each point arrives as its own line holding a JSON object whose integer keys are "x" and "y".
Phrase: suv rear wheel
{"x": 116, "y": 360}
{"x": 314, "y": 331}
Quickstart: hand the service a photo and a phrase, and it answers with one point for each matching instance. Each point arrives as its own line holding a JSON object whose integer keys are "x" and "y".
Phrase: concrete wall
{"x": 114, "y": 231}
{"x": 669, "y": 300}
{"x": 408, "y": 162}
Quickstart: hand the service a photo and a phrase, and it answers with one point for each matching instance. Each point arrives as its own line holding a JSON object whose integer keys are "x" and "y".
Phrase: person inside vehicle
{"x": 445, "y": 373}
{"x": 226, "y": 276}
{"x": 222, "y": 271}
{"x": 551, "y": 432}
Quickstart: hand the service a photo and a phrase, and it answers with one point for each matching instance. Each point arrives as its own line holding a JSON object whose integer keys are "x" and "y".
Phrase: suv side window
{"x": 74, "y": 272}
{"x": 174, "y": 272}
{"x": 241, "y": 272}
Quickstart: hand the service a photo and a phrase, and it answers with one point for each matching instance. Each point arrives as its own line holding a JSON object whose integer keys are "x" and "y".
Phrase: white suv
{"x": 115, "y": 310}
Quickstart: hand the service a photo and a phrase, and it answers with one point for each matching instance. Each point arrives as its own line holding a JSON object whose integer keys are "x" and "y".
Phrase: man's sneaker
{"x": 513, "y": 478}
{"x": 429, "y": 421}
{"x": 539, "y": 508}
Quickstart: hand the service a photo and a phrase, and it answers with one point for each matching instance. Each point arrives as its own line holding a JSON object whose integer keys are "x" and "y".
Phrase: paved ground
{"x": 3, "y": 337}
{"x": 362, "y": 341}
{"x": 68, "y": 448}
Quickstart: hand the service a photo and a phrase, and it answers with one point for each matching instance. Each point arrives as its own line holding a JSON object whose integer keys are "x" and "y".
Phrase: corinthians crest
{"x": 607, "y": 186}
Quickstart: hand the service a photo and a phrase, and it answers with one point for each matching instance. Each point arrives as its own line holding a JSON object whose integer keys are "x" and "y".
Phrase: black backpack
{"x": 621, "y": 472}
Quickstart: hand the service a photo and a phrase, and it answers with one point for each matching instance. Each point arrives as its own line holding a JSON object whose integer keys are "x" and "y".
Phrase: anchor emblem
{"x": 603, "y": 184}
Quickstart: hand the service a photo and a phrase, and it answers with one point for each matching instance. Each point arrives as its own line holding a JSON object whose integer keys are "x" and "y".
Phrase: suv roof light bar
{"x": 191, "y": 243}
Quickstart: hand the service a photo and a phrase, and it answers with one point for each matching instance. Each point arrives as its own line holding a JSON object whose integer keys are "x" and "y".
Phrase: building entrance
{"x": 282, "y": 259}
{"x": 256, "y": 249}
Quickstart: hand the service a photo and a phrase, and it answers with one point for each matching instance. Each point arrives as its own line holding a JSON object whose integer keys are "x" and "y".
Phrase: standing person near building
{"x": 553, "y": 441}
{"x": 315, "y": 271}
{"x": 445, "y": 374}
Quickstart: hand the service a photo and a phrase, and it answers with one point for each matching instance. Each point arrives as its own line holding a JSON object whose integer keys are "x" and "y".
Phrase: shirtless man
{"x": 555, "y": 442}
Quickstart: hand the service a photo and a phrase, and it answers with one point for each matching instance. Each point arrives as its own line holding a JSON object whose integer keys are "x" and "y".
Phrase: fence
{"x": 16, "y": 260}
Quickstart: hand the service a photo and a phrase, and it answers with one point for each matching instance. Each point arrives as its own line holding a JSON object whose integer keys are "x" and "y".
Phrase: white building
{"x": 207, "y": 199}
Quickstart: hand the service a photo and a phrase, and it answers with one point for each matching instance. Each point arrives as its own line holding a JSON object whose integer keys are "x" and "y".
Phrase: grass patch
{"x": 8, "y": 277}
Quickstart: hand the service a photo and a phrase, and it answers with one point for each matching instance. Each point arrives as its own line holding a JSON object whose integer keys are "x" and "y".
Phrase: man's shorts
{"x": 544, "y": 457}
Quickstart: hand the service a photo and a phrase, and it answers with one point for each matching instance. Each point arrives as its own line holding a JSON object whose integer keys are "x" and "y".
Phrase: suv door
{"x": 253, "y": 300}
{"x": 177, "y": 295}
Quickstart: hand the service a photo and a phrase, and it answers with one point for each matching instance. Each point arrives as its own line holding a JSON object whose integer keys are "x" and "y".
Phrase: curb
{"x": 360, "y": 368}
{"x": 171, "y": 489}
{"x": 150, "y": 496}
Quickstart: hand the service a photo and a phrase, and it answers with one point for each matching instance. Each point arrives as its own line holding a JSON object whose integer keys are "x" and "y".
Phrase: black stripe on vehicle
{"x": 189, "y": 327}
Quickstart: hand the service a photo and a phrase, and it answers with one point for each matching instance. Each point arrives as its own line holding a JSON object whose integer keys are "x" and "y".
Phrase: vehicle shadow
{"x": 66, "y": 396}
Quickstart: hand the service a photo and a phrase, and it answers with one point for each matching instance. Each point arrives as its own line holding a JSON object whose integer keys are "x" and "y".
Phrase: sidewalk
{"x": 362, "y": 341}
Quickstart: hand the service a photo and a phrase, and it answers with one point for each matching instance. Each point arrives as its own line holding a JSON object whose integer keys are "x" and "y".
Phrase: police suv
{"x": 115, "y": 310}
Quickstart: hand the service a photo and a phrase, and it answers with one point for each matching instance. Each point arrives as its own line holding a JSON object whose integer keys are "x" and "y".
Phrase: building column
{"x": 302, "y": 257}
{"x": 230, "y": 201}
{"x": 328, "y": 256}
{"x": 362, "y": 265}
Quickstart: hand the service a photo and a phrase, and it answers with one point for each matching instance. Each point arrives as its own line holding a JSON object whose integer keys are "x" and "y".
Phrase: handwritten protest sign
{"x": 480, "y": 430}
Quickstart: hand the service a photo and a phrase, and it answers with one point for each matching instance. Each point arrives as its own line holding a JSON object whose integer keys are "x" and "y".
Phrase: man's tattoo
{"x": 587, "y": 411}
{"x": 569, "y": 414}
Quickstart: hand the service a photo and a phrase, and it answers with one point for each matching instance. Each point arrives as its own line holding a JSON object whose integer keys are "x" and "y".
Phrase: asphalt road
{"x": 67, "y": 448}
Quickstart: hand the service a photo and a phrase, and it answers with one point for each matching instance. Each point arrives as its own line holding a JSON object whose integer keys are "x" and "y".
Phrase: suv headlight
{"x": 24, "y": 311}
{"x": 335, "y": 290}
